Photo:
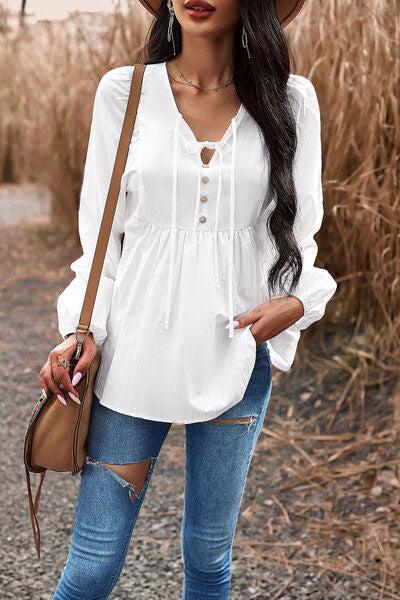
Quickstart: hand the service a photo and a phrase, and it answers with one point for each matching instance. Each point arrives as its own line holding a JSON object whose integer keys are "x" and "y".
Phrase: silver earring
{"x": 245, "y": 42}
{"x": 170, "y": 35}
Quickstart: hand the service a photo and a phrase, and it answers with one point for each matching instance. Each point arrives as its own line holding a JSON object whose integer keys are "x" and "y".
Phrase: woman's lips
{"x": 199, "y": 14}
{"x": 200, "y": 11}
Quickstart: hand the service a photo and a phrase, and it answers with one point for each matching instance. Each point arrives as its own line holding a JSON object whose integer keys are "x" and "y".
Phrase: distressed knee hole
{"x": 130, "y": 475}
{"x": 248, "y": 421}
{"x": 235, "y": 420}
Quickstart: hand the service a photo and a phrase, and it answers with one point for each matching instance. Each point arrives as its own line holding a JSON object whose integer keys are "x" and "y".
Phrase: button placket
{"x": 203, "y": 198}
{"x": 195, "y": 147}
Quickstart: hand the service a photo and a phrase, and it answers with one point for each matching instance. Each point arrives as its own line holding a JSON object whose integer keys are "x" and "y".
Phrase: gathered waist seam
{"x": 166, "y": 226}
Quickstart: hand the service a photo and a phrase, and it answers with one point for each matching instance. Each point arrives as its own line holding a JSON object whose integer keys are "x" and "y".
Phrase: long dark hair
{"x": 261, "y": 85}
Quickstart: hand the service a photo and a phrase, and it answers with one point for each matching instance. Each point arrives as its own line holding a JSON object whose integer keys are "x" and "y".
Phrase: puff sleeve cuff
{"x": 316, "y": 285}
{"x": 103, "y": 141}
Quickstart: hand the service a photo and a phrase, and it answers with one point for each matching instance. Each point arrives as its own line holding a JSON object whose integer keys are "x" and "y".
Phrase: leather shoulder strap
{"x": 111, "y": 204}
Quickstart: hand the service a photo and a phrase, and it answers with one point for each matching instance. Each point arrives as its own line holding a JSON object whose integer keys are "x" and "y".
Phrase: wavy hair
{"x": 261, "y": 86}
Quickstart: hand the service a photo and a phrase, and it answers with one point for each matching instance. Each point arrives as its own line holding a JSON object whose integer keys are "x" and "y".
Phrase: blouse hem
{"x": 209, "y": 417}
{"x": 163, "y": 420}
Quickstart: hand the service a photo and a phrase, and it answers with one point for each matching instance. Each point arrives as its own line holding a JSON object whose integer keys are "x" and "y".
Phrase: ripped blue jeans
{"x": 218, "y": 456}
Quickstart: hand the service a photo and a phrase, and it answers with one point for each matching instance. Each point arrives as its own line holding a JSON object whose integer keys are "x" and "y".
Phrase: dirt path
{"x": 319, "y": 514}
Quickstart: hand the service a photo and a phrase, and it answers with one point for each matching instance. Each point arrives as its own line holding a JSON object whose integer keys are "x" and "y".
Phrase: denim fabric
{"x": 218, "y": 457}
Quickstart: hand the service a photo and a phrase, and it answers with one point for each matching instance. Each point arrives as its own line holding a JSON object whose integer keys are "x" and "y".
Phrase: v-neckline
{"x": 228, "y": 131}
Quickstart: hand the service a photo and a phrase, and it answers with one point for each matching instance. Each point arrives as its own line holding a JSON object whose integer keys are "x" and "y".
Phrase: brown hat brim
{"x": 286, "y": 10}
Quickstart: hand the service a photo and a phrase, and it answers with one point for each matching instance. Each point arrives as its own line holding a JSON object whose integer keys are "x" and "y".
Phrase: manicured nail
{"x": 235, "y": 324}
{"x": 74, "y": 398}
{"x": 76, "y": 378}
{"x": 61, "y": 399}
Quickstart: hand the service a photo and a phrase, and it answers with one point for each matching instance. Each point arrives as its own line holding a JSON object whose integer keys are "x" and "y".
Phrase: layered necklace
{"x": 198, "y": 87}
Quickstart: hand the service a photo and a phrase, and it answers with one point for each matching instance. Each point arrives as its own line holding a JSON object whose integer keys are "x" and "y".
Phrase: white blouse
{"x": 195, "y": 254}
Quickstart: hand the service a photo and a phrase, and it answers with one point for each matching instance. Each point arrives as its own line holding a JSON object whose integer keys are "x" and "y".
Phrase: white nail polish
{"x": 61, "y": 399}
{"x": 235, "y": 324}
{"x": 76, "y": 378}
{"x": 74, "y": 398}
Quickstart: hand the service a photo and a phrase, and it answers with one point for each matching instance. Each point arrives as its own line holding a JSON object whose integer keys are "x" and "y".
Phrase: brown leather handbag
{"x": 55, "y": 438}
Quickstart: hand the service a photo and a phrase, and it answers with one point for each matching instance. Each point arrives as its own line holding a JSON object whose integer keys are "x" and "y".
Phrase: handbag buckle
{"x": 81, "y": 334}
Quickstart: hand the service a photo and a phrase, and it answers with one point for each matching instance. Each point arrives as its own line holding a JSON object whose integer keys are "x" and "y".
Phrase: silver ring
{"x": 63, "y": 362}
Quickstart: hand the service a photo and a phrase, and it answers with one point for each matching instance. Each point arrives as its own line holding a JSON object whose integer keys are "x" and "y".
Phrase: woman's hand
{"x": 55, "y": 376}
{"x": 271, "y": 317}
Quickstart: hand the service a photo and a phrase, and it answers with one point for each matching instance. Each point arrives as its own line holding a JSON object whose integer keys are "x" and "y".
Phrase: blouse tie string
{"x": 172, "y": 233}
{"x": 231, "y": 229}
{"x": 193, "y": 146}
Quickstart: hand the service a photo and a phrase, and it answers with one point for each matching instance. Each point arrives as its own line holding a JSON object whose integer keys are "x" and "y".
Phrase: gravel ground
{"x": 305, "y": 529}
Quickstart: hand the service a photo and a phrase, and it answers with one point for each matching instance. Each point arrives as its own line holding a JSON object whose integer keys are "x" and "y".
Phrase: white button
{"x": 205, "y": 165}
{"x": 202, "y": 219}
{"x": 203, "y": 199}
{"x": 204, "y": 179}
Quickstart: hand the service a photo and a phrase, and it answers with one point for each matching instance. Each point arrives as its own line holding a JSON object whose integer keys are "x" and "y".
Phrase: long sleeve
{"x": 108, "y": 112}
{"x": 316, "y": 285}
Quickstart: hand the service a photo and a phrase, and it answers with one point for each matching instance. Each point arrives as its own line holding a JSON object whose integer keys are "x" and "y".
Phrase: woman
{"x": 219, "y": 202}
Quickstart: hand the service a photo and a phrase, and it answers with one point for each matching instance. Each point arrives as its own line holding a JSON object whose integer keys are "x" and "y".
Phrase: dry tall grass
{"x": 348, "y": 49}
{"x": 49, "y": 73}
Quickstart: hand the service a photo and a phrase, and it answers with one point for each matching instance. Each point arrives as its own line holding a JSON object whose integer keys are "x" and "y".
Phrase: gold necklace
{"x": 188, "y": 82}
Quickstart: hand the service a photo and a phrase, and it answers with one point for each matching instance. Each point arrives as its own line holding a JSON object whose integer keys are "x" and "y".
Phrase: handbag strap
{"x": 34, "y": 507}
{"x": 98, "y": 260}
{"x": 110, "y": 206}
